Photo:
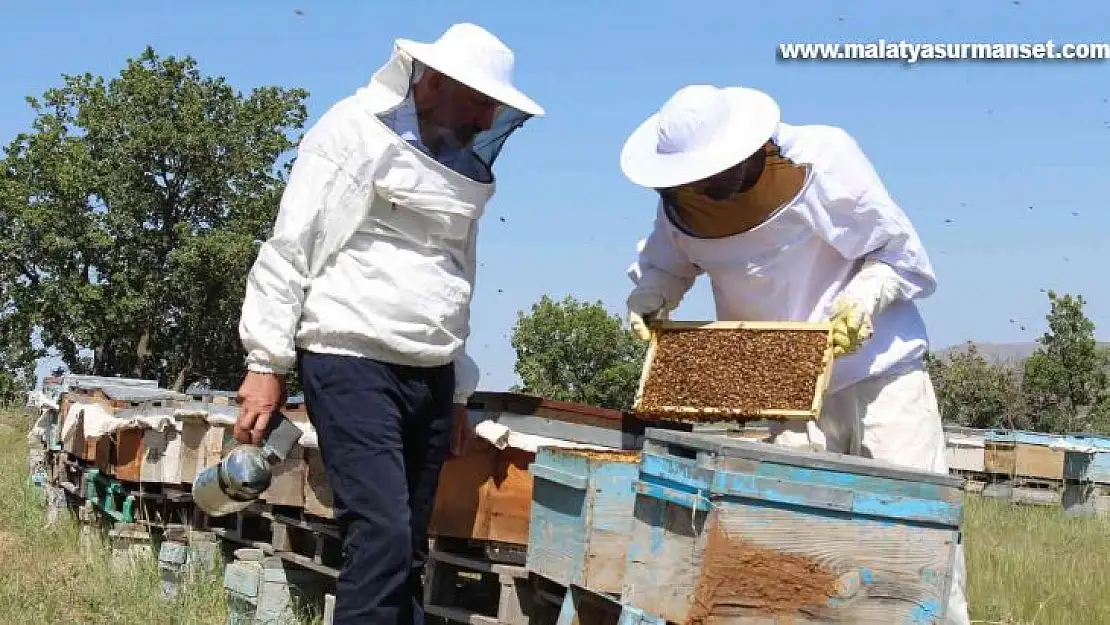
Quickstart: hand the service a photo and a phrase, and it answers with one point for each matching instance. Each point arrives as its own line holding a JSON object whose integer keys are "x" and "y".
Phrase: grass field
{"x": 1025, "y": 565}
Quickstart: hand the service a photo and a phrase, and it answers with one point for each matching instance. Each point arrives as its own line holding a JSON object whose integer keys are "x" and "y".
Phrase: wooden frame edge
{"x": 816, "y": 326}
{"x": 821, "y": 386}
{"x": 645, "y": 371}
{"x": 724, "y": 412}
{"x": 823, "y": 380}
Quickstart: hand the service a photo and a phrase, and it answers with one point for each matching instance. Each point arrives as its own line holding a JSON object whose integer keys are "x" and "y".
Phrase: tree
{"x": 131, "y": 212}
{"x": 973, "y": 392}
{"x": 576, "y": 351}
{"x": 1065, "y": 383}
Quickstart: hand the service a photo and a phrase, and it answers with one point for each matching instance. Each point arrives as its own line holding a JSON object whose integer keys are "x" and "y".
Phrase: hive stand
{"x": 444, "y": 571}
{"x": 582, "y": 607}
{"x": 266, "y": 590}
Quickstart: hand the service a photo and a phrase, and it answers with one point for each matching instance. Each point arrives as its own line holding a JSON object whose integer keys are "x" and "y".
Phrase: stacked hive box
{"x": 487, "y": 493}
{"x": 734, "y": 531}
{"x": 582, "y": 516}
{"x": 1023, "y": 454}
{"x": 964, "y": 450}
{"x": 1086, "y": 474}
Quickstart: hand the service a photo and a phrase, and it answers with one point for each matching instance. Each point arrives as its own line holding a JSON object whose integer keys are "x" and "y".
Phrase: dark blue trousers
{"x": 384, "y": 432}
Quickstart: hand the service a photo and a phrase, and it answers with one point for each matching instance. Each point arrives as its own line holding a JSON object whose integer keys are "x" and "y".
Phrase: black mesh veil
{"x": 475, "y": 159}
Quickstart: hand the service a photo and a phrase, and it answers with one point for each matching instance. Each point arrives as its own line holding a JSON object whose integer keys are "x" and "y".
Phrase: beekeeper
{"x": 365, "y": 287}
{"x": 792, "y": 223}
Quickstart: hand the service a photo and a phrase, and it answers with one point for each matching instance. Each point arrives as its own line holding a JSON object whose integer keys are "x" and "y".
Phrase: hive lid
{"x": 731, "y": 447}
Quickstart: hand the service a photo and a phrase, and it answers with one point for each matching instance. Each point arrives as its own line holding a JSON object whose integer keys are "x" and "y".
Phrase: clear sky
{"x": 1002, "y": 166}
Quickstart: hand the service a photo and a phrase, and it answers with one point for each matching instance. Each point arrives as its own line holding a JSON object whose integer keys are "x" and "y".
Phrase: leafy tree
{"x": 973, "y": 392}
{"x": 1065, "y": 383}
{"x": 576, "y": 351}
{"x": 130, "y": 215}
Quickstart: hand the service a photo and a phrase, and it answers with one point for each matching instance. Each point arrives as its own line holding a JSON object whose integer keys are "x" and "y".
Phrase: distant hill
{"x": 1000, "y": 353}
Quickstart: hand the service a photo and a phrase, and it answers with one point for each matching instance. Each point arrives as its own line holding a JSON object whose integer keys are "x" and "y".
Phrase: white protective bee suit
{"x": 347, "y": 270}
{"x": 841, "y": 239}
{"x": 366, "y": 285}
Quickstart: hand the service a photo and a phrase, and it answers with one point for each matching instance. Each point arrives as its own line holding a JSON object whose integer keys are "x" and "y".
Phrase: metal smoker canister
{"x": 239, "y": 480}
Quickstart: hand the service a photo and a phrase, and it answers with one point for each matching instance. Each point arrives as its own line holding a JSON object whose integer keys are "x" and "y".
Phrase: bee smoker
{"x": 243, "y": 475}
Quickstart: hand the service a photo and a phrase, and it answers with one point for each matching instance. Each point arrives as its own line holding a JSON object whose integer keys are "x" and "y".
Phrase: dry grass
{"x": 1026, "y": 565}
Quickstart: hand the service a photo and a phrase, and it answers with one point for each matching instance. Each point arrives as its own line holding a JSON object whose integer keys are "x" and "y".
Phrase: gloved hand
{"x": 851, "y": 326}
{"x": 874, "y": 288}
{"x": 644, "y": 307}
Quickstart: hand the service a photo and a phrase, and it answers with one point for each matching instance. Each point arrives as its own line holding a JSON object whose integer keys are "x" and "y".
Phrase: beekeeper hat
{"x": 700, "y": 131}
{"x": 473, "y": 56}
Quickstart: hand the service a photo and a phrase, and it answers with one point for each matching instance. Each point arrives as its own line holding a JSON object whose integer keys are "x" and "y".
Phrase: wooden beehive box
{"x": 318, "y": 498}
{"x": 581, "y": 521}
{"x": 1035, "y": 457}
{"x": 485, "y": 494}
{"x": 733, "y": 531}
{"x": 964, "y": 451}
{"x": 1088, "y": 460}
{"x": 699, "y": 371}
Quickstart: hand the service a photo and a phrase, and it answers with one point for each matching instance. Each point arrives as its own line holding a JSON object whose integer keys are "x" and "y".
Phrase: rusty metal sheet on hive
{"x": 566, "y": 421}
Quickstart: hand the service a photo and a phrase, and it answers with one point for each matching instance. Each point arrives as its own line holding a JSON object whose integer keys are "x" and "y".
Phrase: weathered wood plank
{"x": 581, "y": 517}
{"x": 162, "y": 457}
{"x": 737, "y": 532}
{"x": 486, "y": 494}
{"x": 965, "y": 452}
{"x": 800, "y": 566}
{"x": 1038, "y": 461}
{"x": 194, "y": 434}
{"x": 317, "y": 492}
{"x": 127, "y": 456}
{"x": 708, "y": 447}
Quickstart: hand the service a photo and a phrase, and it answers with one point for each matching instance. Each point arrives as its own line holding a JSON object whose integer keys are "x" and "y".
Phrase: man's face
{"x": 453, "y": 107}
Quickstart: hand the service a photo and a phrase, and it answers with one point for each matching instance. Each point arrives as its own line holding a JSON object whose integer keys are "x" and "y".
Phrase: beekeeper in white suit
{"x": 792, "y": 223}
{"x": 366, "y": 285}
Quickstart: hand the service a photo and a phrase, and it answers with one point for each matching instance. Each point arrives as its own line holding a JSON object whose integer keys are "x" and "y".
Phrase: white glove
{"x": 867, "y": 295}
{"x": 645, "y": 306}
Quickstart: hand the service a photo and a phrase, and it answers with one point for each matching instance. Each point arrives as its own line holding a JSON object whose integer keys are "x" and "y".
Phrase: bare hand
{"x": 461, "y": 431}
{"x": 260, "y": 395}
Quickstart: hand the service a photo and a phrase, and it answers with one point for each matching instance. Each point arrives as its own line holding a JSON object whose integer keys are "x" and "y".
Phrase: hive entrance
{"x": 697, "y": 371}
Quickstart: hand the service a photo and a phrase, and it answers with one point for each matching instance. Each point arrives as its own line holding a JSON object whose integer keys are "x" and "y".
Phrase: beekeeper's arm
{"x": 467, "y": 372}
{"x": 662, "y": 274}
{"x": 281, "y": 273}
{"x": 863, "y": 223}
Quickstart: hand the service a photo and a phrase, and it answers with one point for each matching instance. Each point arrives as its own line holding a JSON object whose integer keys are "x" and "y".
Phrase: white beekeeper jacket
{"x": 373, "y": 249}
{"x": 792, "y": 267}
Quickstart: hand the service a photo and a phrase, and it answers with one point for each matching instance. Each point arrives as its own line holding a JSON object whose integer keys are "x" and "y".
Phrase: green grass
{"x": 46, "y": 577}
{"x": 1026, "y": 565}
{"x": 1036, "y": 565}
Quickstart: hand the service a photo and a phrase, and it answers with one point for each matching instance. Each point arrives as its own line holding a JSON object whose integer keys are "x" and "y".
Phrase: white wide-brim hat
{"x": 473, "y": 56}
{"x": 700, "y": 131}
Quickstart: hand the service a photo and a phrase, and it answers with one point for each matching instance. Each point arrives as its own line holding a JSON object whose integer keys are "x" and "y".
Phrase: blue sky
{"x": 977, "y": 143}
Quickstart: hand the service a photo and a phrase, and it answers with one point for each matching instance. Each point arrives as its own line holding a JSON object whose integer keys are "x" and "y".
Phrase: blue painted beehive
{"x": 1088, "y": 460}
{"x": 581, "y": 516}
{"x": 751, "y": 532}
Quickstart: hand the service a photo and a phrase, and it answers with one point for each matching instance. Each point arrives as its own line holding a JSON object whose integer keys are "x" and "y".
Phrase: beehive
{"x": 581, "y": 519}
{"x": 719, "y": 371}
{"x": 732, "y": 531}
